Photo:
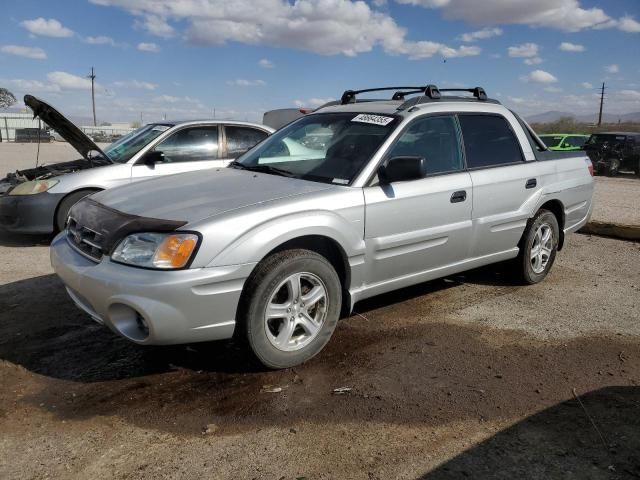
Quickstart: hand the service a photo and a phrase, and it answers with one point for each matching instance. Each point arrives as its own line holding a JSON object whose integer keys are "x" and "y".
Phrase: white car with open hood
{"x": 38, "y": 200}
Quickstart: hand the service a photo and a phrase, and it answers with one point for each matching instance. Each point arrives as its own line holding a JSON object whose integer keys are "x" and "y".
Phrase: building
{"x": 12, "y": 121}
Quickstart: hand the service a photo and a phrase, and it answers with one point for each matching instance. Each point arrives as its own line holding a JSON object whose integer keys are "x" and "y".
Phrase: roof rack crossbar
{"x": 429, "y": 90}
{"x": 478, "y": 92}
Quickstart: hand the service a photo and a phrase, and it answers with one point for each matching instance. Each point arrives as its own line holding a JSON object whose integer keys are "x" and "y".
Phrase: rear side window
{"x": 193, "y": 144}
{"x": 489, "y": 141}
{"x": 241, "y": 139}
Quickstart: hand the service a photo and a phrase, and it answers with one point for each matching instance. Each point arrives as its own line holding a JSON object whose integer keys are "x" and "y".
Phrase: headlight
{"x": 32, "y": 187}
{"x": 156, "y": 250}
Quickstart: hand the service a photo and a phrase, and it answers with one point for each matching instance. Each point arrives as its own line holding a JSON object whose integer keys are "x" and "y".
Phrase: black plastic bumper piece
{"x": 29, "y": 213}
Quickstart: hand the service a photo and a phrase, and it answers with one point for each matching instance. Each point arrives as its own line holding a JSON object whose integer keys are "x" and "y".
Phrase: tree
{"x": 6, "y": 98}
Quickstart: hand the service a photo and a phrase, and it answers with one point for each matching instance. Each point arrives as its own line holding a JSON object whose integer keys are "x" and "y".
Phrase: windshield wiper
{"x": 263, "y": 169}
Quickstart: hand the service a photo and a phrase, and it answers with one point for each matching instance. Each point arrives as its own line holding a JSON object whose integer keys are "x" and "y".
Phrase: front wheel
{"x": 291, "y": 306}
{"x": 538, "y": 247}
{"x": 65, "y": 205}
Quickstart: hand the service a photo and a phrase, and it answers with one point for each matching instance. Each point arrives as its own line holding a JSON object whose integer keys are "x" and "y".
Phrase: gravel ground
{"x": 16, "y": 156}
{"x": 465, "y": 376}
{"x": 617, "y": 200}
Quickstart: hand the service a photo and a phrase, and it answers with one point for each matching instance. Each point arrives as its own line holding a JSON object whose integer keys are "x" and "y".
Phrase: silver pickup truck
{"x": 358, "y": 198}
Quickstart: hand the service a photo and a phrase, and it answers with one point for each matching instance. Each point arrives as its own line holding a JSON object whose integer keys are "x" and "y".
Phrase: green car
{"x": 564, "y": 142}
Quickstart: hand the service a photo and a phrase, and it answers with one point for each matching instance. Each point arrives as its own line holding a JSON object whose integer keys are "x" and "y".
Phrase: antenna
{"x": 93, "y": 95}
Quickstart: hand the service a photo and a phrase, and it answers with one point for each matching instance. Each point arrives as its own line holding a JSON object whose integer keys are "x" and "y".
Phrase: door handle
{"x": 531, "y": 183}
{"x": 459, "y": 196}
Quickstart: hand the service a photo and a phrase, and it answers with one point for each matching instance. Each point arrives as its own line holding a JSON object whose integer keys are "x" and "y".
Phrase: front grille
{"x": 84, "y": 240}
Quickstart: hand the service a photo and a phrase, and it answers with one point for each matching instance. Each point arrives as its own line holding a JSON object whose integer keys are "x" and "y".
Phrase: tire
{"x": 613, "y": 165}
{"x": 531, "y": 269}
{"x": 65, "y": 205}
{"x": 289, "y": 337}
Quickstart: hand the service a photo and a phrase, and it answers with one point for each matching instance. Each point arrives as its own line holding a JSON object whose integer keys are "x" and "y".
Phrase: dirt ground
{"x": 468, "y": 376}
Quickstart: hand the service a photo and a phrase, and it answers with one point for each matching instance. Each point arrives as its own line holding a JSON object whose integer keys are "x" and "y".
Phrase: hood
{"x": 61, "y": 124}
{"x": 194, "y": 196}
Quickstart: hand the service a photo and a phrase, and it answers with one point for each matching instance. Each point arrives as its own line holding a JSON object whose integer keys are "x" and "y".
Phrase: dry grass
{"x": 569, "y": 125}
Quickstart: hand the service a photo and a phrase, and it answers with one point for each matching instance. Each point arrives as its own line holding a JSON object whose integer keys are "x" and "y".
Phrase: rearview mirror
{"x": 153, "y": 157}
{"x": 401, "y": 169}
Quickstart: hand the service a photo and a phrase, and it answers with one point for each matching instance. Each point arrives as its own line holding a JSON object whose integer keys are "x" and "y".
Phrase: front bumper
{"x": 153, "y": 307}
{"x": 29, "y": 213}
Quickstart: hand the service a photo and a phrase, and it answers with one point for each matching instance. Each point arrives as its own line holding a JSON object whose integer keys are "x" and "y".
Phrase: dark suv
{"x": 611, "y": 152}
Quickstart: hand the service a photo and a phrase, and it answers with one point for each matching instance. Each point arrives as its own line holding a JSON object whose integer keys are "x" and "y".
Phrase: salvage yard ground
{"x": 465, "y": 376}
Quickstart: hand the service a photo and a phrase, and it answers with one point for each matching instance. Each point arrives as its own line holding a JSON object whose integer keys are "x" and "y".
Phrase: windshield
{"x": 551, "y": 140}
{"x": 605, "y": 137}
{"x": 325, "y": 147}
{"x": 123, "y": 149}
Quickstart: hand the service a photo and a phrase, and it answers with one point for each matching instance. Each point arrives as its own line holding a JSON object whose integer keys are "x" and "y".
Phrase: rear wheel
{"x": 613, "y": 165}
{"x": 291, "y": 307}
{"x": 538, "y": 248}
{"x": 65, "y": 205}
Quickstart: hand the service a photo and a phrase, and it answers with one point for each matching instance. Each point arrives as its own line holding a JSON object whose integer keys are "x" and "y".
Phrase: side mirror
{"x": 153, "y": 157}
{"x": 401, "y": 169}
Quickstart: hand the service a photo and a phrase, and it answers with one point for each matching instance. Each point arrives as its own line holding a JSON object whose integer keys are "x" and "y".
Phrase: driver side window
{"x": 435, "y": 139}
{"x": 190, "y": 145}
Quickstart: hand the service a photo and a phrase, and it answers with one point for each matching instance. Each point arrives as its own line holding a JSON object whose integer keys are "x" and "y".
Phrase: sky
{"x": 179, "y": 59}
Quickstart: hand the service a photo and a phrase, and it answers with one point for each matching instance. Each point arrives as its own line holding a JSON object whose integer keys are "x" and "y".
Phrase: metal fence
{"x": 23, "y": 128}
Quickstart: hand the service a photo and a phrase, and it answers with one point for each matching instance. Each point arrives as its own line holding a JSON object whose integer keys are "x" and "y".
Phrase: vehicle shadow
{"x": 42, "y": 330}
{"x": 19, "y": 240}
{"x": 560, "y": 442}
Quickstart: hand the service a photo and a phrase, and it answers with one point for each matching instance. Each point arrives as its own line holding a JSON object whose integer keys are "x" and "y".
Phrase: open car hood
{"x": 65, "y": 127}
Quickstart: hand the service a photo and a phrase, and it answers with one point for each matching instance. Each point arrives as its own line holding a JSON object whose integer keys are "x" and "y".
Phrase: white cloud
{"x": 166, "y": 99}
{"x": 135, "y": 84}
{"x": 68, "y": 81}
{"x": 266, "y": 63}
{"x": 567, "y": 15}
{"x": 633, "y": 95}
{"x": 629, "y": 24}
{"x": 156, "y": 25}
{"x": 613, "y": 68}
{"x": 148, "y": 47}
{"x": 525, "y": 50}
{"x": 586, "y": 85}
{"x": 345, "y": 27}
{"x": 47, "y": 27}
{"x": 540, "y": 76}
{"x": 241, "y": 82}
{"x": 312, "y": 102}
{"x": 101, "y": 40}
{"x": 481, "y": 34}
{"x": 571, "y": 47}
{"x": 533, "y": 61}
{"x": 30, "y": 86}
{"x": 27, "y": 52}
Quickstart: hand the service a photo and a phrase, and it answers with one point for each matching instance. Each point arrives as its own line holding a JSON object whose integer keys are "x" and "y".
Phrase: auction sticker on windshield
{"x": 160, "y": 128}
{"x": 374, "y": 119}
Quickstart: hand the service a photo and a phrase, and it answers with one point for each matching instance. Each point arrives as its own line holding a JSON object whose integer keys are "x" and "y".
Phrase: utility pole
{"x": 601, "y": 104}
{"x": 93, "y": 95}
